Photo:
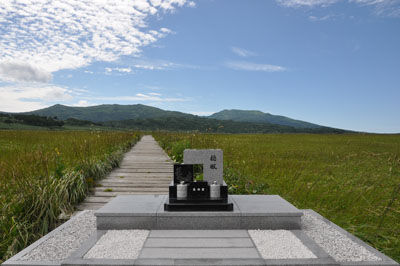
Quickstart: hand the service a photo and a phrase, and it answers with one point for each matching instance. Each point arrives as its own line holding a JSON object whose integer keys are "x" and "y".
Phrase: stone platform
{"x": 319, "y": 242}
{"x": 249, "y": 212}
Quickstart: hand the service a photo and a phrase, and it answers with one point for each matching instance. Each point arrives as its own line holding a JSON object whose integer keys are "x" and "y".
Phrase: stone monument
{"x": 188, "y": 194}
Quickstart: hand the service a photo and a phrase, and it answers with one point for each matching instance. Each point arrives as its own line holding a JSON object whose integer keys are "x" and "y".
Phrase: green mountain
{"x": 260, "y": 117}
{"x": 142, "y": 117}
{"x": 106, "y": 112}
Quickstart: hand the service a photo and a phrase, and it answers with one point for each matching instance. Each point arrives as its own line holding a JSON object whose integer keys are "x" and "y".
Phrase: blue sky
{"x": 330, "y": 62}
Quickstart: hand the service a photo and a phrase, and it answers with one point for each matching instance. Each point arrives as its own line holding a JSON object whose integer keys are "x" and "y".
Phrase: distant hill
{"x": 142, "y": 117}
{"x": 106, "y": 112}
{"x": 260, "y": 117}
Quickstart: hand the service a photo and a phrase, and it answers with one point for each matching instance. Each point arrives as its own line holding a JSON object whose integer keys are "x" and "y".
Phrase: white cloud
{"x": 154, "y": 64}
{"x": 20, "y": 98}
{"x": 55, "y": 35}
{"x": 323, "y": 18}
{"x": 155, "y": 94}
{"x": 309, "y": 3}
{"x": 242, "y": 65}
{"x": 142, "y": 97}
{"x": 242, "y": 52}
{"x": 123, "y": 70}
{"x": 83, "y": 103}
{"x": 22, "y": 72}
{"x": 191, "y": 4}
{"x": 381, "y": 7}
{"x": 149, "y": 64}
{"x": 118, "y": 69}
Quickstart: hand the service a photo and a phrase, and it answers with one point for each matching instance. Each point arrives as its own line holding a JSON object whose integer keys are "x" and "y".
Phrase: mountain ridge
{"x": 105, "y": 112}
{"x": 143, "y": 116}
{"x": 260, "y": 117}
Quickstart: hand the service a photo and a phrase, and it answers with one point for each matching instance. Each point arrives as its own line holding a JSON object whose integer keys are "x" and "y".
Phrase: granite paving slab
{"x": 249, "y": 212}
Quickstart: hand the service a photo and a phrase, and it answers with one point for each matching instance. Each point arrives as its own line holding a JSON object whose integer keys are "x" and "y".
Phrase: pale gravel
{"x": 279, "y": 244}
{"x": 335, "y": 243}
{"x": 65, "y": 241}
{"x": 118, "y": 244}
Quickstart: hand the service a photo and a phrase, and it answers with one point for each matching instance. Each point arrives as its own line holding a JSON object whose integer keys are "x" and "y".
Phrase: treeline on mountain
{"x": 43, "y": 121}
{"x": 199, "y": 124}
{"x": 32, "y": 120}
{"x": 78, "y": 122}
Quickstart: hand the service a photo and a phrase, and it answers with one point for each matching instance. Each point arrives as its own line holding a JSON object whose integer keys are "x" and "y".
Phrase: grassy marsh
{"x": 44, "y": 173}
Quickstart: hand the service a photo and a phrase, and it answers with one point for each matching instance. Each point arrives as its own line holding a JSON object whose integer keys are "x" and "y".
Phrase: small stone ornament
{"x": 215, "y": 190}
{"x": 181, "y": 190}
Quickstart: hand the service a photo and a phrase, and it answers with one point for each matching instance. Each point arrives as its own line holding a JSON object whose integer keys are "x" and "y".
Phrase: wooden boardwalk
{"x": 145, "y": 169}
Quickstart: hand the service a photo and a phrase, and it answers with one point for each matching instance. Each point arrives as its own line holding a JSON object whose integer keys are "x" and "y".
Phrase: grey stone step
{"x": 198, "y": 253}
{"x": 196, "y": 242}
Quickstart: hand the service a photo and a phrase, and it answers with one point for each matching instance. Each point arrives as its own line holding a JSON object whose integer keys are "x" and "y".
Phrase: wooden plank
{"x": 134, "y": 185}
{"x": 138, "y": 179}
{"x": 143, "y": 170}
{"x": 146, "y": 169}
{"x": 113, "y": 194}
{"x": 138, "y": 182}
{"x": 118, "y": 173}
{"x": 129, "y": 189}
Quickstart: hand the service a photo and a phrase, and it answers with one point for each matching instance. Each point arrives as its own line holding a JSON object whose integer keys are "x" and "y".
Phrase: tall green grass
{"x": 44, "y": 173}
{"x": 353, "y": 180}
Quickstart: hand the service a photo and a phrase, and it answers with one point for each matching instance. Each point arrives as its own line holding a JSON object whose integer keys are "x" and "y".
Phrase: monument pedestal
{"x": 249, "y": 212}
{"x": 175, "y": 205}
{"x": 205, "y": 203}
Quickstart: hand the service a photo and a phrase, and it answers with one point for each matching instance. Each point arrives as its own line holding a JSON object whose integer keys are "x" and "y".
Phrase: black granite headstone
{"x": 183, "y": 172}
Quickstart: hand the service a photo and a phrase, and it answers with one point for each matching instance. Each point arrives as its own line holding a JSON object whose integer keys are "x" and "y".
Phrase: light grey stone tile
{"x": 132, "y": 205}
{"x": 192, "y": 253}
{"x": 199, "y": 242}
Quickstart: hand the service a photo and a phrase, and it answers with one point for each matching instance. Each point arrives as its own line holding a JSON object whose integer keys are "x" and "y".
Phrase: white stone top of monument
{"x": 212, "y": 161}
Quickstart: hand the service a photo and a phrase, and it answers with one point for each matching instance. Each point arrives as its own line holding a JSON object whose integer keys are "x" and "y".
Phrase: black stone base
{"x": 198, "y": 200}
{"x": 175, "y": 205}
